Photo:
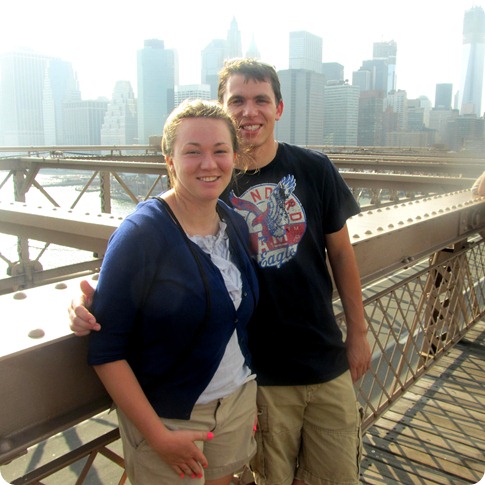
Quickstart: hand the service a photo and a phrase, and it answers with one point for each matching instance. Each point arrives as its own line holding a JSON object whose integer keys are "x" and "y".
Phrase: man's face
{"x": 253, "y": 105}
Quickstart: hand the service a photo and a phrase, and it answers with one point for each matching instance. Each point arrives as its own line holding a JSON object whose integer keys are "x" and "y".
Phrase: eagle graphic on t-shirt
{"x": 274, "y": 216}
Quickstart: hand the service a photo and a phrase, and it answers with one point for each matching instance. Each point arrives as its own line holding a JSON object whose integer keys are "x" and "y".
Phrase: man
{"x": 296, "y": 205}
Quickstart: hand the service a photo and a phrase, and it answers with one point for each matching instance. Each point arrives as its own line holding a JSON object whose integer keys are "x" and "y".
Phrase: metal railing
{"x": 415, "y": 316}
{"x": 415, "y": 312}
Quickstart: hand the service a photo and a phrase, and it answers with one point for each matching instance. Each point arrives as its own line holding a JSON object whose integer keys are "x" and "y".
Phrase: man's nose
{"x": 250, "y": 109}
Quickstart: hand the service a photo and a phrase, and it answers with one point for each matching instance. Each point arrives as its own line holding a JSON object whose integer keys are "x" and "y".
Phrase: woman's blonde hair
{"x": 196, "y": 108}
{"x": 199, "y": 108}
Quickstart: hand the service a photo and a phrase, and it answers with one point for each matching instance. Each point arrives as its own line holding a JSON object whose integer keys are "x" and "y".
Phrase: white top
{"x": 232, "y": 372}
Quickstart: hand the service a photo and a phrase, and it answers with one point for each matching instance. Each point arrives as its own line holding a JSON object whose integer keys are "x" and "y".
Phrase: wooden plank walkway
{"x": 435, "y": 434}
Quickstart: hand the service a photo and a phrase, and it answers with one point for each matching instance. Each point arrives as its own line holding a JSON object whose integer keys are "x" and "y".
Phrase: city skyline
{"x": 101, "y": 43}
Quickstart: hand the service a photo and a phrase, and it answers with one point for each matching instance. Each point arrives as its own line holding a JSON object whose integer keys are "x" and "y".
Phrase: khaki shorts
{"x": 231, "y": 419}
{"x": 311, "y": 433}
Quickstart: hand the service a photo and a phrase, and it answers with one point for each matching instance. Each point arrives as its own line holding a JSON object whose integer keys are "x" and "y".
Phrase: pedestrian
{"x": 175, "y": 293}
{"x": 296, "y": 205}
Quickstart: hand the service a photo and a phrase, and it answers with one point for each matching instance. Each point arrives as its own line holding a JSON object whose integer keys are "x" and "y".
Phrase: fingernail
{"x": 210, "y": 435}
{"x": 200, "y": 475}
{"x": 193, "y": 475}
{"x": 182, "y": 475}
{"x": 255, "y": 428}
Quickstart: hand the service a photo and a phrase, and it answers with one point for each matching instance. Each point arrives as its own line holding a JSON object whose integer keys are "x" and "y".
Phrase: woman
{"x": 176, "y": 290}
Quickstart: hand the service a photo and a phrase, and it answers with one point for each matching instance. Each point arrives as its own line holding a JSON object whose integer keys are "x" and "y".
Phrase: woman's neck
{"x": 199, "y": 219}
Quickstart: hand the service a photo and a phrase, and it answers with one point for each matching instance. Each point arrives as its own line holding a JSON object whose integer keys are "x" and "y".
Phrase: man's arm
{"x": 347, "y": 280}
{"x": 82, "y": 322}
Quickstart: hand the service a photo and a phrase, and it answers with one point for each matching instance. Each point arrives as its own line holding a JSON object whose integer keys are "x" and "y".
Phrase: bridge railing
{"x": 135, "y": 173}
{"x": 414, "y": 316}
{"x": 422, "y": 264}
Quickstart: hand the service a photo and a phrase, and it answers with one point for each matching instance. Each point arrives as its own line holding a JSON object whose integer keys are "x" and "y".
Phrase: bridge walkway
{"x": 434, "y": 434}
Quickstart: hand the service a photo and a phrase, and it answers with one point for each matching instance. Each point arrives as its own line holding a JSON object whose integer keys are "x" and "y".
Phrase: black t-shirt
{"x": 289, "y": 206}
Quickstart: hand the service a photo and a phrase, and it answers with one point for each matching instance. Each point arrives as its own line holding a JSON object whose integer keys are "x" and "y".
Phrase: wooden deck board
{"x": 434, "y": 434}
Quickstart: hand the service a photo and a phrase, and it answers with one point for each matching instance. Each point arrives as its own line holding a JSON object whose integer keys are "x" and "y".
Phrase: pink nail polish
{"x": 210, "y": 435}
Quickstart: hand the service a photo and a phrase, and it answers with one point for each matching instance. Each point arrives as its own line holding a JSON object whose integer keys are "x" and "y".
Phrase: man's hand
{"x": 358, "y": 354}
{"x": 82, "y": 322}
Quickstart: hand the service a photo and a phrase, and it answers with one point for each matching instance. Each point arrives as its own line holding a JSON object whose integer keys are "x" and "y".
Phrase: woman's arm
{"x": 177, "y": 448}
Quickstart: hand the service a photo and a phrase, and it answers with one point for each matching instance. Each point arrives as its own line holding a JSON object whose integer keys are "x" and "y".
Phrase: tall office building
{"x": 253, "y": 50}
{"x": 362, "y": 79}
{"x": 192, "y": 91}
{"x": 333, "y": 71}
{"x": 212, "y": 61}
{"x": 120, "y": 121}
{"x": 341, "y": 123}
{"x": 157, "y": 75}
{"x": 22, "y": 75}
{"x": 305, "y": 51}
{"x": 302, "y": 91}
{"x": 378, "y": 72}
{"x": 234, "y": 44}
{"x": 371, "y": 113}
{"x": 473, "y": 62}
{"x": 398, "y": 103}
{"x": 387, "y": 51}
{"x": 60, "y": 86}
{"x": 83, "y": 121}
{"x": 443, "y": 96}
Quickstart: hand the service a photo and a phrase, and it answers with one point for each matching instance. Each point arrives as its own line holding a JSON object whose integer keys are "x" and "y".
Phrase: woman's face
{"x": 202, "y": 160}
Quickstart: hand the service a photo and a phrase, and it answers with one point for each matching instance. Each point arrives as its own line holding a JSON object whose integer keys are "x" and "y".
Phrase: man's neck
{"x": 263, "y": 155}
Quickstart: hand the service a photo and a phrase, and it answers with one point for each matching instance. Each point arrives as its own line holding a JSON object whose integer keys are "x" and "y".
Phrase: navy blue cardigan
{"x": 164, "y": 307}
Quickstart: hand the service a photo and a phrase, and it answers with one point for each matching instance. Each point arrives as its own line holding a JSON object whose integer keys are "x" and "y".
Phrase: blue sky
{"x": 101, "y": 38}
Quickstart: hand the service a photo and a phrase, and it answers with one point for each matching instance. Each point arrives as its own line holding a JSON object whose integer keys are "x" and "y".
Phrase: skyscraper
{"x": 234, "y": 45}
{"x": 443, "y": 96}
{"x": 305, "y": 51}
{"x": 341, "y": 123}
{"x": 191, "y": 91}
{"x": 387, "y": 51}
{"x": 120, "y": 121}
{"x": 212, "y": 60}
{"x": 473, "y": 62}
{"x": 60, "y": 86}
{"x": 21, "y": 93}
{"x": 157, "y": 74}
{"x": 302, "y": 91}
{"x": 83, "y": 120}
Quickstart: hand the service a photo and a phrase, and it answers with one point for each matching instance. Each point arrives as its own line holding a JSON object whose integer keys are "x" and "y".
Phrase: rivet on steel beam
{"x": 368, "y": 232}
{"x": 380, "y": 228}
{"x": 390, "y": 226}
{"x": 36, "y": 333}
{"x": 400, "y": 223}
{"x": 410, "y": 219}
{"x": 356, "y": 236}
{"x": 6, "y": 445}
